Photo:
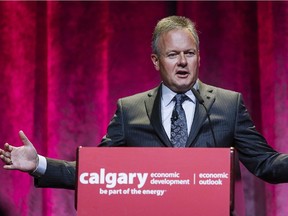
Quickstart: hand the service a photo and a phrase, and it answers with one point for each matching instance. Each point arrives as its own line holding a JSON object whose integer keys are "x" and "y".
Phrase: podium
{"x": 154, "y": 181}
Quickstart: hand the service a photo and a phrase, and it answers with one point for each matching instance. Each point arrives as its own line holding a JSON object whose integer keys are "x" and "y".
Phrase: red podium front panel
{"x": 153, "y": 181}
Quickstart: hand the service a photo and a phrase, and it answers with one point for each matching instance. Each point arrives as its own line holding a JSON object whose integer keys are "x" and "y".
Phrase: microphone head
{"x": 174, "y": 116}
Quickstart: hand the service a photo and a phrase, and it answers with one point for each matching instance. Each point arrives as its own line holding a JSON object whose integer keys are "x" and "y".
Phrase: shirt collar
{"x": 168, "y": 94}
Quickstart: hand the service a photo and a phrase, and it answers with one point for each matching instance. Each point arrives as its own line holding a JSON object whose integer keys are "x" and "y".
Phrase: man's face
{"x": 178, "y": 60}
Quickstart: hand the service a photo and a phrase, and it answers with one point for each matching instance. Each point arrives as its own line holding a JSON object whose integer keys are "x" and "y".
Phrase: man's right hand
{"x": 23, "y": 158}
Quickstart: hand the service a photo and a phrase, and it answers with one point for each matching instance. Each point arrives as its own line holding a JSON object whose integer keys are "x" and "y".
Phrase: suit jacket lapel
{"x": 153, "y": 107}
{"x": 200, "y": 114}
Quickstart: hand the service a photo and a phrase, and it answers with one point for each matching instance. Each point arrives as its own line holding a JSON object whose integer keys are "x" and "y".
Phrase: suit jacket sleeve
{"x": 254, "y": 152}
{"x": 59, "y": 174}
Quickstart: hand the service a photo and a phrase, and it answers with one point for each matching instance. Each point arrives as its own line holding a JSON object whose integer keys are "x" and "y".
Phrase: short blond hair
{"x": 170, "y": 23}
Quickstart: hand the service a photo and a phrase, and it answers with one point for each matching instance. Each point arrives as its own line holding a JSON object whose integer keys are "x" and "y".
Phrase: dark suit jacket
{"x": 137, "y": 123}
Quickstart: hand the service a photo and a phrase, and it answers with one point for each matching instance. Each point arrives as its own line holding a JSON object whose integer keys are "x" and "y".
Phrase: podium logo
{"x": 111, "y": 179}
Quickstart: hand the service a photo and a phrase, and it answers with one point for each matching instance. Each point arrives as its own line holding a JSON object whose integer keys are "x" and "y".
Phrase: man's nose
{"x": 182, "y": 59}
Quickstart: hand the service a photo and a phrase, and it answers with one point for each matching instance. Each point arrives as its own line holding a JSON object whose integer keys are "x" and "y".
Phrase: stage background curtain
{"x": 63, "y": 66}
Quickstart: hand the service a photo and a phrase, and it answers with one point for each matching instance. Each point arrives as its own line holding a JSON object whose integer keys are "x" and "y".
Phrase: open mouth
{"x": 182, "y": 73}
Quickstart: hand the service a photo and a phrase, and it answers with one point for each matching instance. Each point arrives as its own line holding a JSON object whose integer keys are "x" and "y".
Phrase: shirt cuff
{"x": 41, "y": 168}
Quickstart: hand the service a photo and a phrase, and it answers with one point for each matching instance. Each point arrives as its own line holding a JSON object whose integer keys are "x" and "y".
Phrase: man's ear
{"x": 155, "y": 61}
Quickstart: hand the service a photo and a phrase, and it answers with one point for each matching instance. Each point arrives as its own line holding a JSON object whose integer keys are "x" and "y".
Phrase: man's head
{"x": 175, "y": 46}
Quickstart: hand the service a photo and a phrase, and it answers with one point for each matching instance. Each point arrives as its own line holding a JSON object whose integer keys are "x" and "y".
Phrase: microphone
{"x": 174, "y": 116}
{"x": 201, "y": 101}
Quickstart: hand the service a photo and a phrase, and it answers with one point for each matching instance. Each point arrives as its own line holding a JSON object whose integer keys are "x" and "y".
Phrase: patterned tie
{"x": 179, "y": 133}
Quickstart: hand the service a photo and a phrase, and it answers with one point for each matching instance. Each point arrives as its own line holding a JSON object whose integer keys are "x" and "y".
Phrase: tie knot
{"x": 180, "y": 98}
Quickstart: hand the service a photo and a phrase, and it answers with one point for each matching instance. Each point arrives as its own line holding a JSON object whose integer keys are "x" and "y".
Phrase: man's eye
{"x": 172, "y": 55}
{"x": 190, "y": 53}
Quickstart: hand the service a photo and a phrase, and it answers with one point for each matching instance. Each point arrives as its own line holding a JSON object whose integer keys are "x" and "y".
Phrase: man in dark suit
{"x": 151, "y": 119}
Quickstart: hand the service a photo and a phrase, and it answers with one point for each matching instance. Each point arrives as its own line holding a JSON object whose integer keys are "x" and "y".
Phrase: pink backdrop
{"x": 64, "y": 64}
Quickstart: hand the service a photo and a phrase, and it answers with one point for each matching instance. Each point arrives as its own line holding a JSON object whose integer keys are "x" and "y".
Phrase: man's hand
{"x": 23, "y": 158}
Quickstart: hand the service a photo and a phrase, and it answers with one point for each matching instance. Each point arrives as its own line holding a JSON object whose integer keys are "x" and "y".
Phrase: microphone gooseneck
{"x": 201, "y": 101}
